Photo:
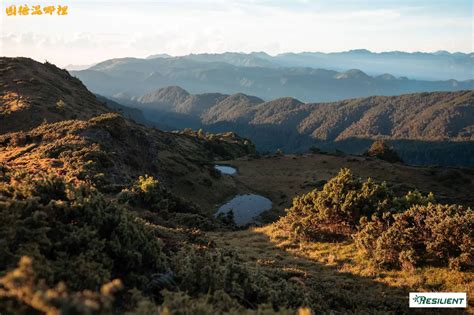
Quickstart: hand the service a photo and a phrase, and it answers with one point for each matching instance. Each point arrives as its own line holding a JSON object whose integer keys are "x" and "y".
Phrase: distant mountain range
{"x": 440, "y": 65}
{"x": 426, "y": 128}
{"x": 297, "y": 75}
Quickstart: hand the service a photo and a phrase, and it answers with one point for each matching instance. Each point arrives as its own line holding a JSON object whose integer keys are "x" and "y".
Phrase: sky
{"x": 98, "y": 30}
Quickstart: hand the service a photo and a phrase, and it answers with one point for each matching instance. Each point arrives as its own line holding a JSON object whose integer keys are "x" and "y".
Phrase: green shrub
{"x": 162, "y": 207}
{"x": 338, "y": 207}
{"x": 219, "y": 302}
{"x": 71, "y": 230}
{"x": 60, "y": 105}
{"x": 391, "y": 231}
{"x": 213, "y": 271}
{"x": 227, "y": 218}
{"x": 22, "y": 293}
{"x": 379, "y": 149}
{"x": 215, "y": 173}
{"x": 149, "y": 189}
{"x": 148, "y": 192}
{"x": 434, "y": 234}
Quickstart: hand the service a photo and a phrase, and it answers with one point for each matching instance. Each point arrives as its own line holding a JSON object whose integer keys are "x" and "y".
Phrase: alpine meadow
{"x": 237, "y": 157}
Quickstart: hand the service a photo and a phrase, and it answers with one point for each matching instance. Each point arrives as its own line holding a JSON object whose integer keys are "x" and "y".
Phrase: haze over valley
{"x": 307, "y": 76}
{"x": 275, "y": 100}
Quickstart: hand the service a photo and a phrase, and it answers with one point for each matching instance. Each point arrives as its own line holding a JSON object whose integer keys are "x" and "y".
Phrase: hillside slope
{"x": 177, "y": 100}
{"x": 421, "y": 116}
{"x": 234, "y": 108}
{"x": 32, "y": 93}
{"x": 424, "y": 116}
{"x": 426, "y": 128}
{"x": 111, "y": 152}
{"x": 84, "y": 139}
{"x": 165, "y": 99}
{"x": 129, "y": 112}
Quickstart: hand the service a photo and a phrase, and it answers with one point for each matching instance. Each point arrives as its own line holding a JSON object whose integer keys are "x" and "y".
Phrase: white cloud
{"x": 94, "y": 31}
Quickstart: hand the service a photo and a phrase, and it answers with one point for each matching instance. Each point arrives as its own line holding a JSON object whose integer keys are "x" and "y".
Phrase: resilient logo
{"x": 438, "y": 299}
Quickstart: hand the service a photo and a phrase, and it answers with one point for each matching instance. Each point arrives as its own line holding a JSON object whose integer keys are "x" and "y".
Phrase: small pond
{"x": 224, "y": 169}
{"x": 246, "y": 208}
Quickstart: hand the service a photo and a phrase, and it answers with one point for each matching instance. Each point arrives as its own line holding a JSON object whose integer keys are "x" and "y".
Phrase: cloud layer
{"x": 97, "y": 30}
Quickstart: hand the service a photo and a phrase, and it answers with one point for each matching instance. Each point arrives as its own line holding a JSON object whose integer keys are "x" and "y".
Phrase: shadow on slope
{"x": 330, "y": 274}
{"x": 270, "y": 138}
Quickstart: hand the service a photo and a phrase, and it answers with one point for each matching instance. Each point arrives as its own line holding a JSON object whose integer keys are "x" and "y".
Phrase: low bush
{"x": 391, "y": 231}
{"x": 337, "y": 208}
{"x": 379, "y": 149}
{"x": 216, "y": 303}
{"x": 213, "y": 271}
{"x": 162, "y": 206}
{"x": 216, "y": 174}
{"x": 71, "y": 230}
{"x": 22, "y": 293}
{"x": 434, "y": 234}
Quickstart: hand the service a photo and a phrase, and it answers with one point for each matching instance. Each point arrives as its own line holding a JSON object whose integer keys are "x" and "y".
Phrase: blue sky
{"x": 98, "y": 30}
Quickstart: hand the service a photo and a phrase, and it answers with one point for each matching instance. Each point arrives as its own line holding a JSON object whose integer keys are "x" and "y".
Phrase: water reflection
{"x": 226, "y": 169}
{"x": 246, "y": 208}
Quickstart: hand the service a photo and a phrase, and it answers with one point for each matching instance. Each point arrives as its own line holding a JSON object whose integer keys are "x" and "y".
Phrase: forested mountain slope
{"x": 427, "y": 128}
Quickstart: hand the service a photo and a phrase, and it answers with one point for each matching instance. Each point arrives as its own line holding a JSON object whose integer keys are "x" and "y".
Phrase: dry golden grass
{"x": 284, "y": 177}
{"x": 340, "y": 264}
{"x": 12, "y": 101}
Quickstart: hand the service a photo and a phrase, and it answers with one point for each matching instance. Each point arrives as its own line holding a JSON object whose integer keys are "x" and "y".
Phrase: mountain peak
{"x": 173, "y": 89}
{"x": 159, "y": 56}
{"x": 359, "y": 51}
{"x": 386, "y": 76}
{"x": 285, "y": 101}
{"x": 352, "y": 74}
{"x": 166, "y": 98}
{"x": 235, "y": 107}
{"x": 242, "y": 96}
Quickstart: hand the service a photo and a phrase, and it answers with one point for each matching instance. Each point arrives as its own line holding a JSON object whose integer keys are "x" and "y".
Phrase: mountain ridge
{"x": 85, "y": 144}
{"x": 30, "y": 95}
{"x": 438, "y": 65}
{"x": 430, "y": 107}
{"x": 437, "y": 123}
{"x": 137, "y": 77}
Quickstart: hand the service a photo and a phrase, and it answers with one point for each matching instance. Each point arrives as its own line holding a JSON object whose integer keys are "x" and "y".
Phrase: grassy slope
{"x": 340, "y": 271}
{"x": 337, "y": 267}
{"x": 115, "y": 151}
{"x": 282, "y": 178}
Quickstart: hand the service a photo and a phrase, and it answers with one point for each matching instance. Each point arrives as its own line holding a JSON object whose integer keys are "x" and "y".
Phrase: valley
{"x": 88, "y": 187}
{"x": 281, "y": 178}
{"x": 424, "y": 128}
{"x": 242, "y": 157}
